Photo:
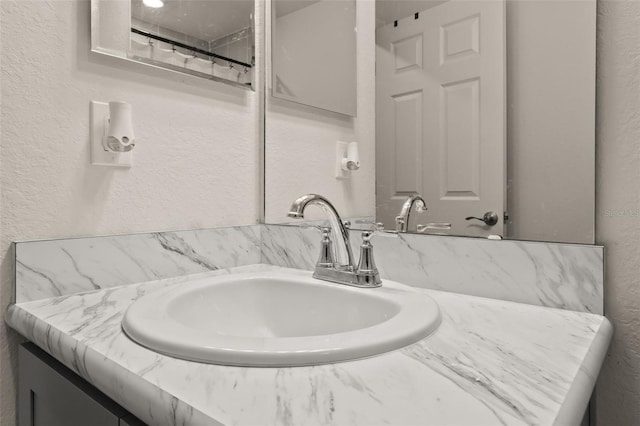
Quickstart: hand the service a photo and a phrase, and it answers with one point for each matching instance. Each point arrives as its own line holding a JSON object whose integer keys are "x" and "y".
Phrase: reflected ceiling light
{"x": 153, "y": 3}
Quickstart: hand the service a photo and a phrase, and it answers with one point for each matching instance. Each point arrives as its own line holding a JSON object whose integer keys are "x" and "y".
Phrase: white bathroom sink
{"x": 278, "y": 320}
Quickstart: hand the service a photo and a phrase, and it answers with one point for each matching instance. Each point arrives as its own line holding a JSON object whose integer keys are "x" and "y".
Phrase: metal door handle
{"x": 433, "y": 226}
{"x": 489, "y": 218}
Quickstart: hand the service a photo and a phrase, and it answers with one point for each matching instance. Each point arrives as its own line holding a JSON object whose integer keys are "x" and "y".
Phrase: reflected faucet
{"x": 344, "y": 269}
{"x": 402, "y": 220}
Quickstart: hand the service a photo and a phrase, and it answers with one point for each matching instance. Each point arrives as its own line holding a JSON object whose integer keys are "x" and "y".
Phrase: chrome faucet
{"x": 342, "y": 269}
{"x": 402, "y": 220}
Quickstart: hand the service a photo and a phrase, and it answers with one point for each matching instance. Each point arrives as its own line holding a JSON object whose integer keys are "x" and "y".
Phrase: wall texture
{"x": 618, "y": 205}
{"x": 195, "y": 164}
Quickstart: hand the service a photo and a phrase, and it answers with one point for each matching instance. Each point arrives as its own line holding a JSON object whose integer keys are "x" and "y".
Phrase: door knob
{"x": 489, "y": 218}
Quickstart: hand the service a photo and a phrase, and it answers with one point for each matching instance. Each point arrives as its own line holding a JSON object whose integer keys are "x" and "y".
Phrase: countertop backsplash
{"x": 565, "y": 276}
{"x": 50, "y": 268}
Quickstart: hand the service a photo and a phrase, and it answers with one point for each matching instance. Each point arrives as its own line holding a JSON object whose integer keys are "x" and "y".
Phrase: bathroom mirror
{"x": 547, "y": 165}
{"x": 208, "y": 39}
{"x": 313, "y": 53}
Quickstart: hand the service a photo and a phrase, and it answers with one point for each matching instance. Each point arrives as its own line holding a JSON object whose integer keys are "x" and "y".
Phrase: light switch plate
{"x": 100, "y": 156}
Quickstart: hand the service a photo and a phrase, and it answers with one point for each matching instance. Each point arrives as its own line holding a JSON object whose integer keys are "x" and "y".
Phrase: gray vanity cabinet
{"x": 49, "y": 394}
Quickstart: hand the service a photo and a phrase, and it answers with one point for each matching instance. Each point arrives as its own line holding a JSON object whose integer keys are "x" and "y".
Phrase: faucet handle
{"x": 345, "y": 223}
{"x": 310, "y": 225}
{"x": 367, "y": 272}
{"x": 433, "y": 225}
{"x": 326, "y": 250}
{"x": 326, "y": 233}
{"x": 371, "y": 225}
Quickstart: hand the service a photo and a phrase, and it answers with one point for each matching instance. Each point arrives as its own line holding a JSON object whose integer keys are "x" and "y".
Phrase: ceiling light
{"x": 153, "y": 3}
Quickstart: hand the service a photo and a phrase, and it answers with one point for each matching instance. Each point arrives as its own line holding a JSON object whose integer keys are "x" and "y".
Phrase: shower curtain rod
{"x": 186, "y": 46}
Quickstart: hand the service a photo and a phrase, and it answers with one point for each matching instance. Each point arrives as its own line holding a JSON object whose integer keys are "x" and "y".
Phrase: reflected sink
{"x": 271, "y": 319}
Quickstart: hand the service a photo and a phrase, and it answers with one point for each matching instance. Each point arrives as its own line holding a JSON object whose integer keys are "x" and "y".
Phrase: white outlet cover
{"x": 100, "y": 156}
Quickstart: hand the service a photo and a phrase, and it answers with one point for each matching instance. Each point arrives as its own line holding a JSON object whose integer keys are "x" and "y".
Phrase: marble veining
{"x": 565, "y": 276}
{"x": 66, "y": 266}
{"x": 491, "y": 362}
{"x": 561, "y": 276}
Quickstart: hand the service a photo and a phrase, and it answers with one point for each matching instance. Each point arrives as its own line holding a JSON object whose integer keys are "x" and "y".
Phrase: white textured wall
{"x": 300, "y": 152}
{"x": 618, "y": 206}
{"x": 195, "y": 164}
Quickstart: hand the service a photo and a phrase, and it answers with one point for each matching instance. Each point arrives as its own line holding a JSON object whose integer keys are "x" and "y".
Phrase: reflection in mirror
{"x": 209, "y": 39}
{"x": 314, "y": 53}
{"x": 443, "y": 128}
{"x": 440, "y": 115}
{"x": 454, "y": 107}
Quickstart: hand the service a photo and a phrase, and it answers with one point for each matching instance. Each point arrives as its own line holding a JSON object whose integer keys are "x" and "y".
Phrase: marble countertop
{"x": 490, "y": 363}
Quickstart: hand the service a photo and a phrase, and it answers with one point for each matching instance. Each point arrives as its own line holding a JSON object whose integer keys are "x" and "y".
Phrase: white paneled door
{"x": 441, "y": 115}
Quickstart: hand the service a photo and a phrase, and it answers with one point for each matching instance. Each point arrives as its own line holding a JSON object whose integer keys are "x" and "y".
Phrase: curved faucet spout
{"x": 344, "y": 255}
{"x": 402, "y": 220}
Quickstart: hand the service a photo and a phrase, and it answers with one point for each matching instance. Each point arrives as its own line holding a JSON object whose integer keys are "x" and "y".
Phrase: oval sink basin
{"x": 278, "y": 320}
